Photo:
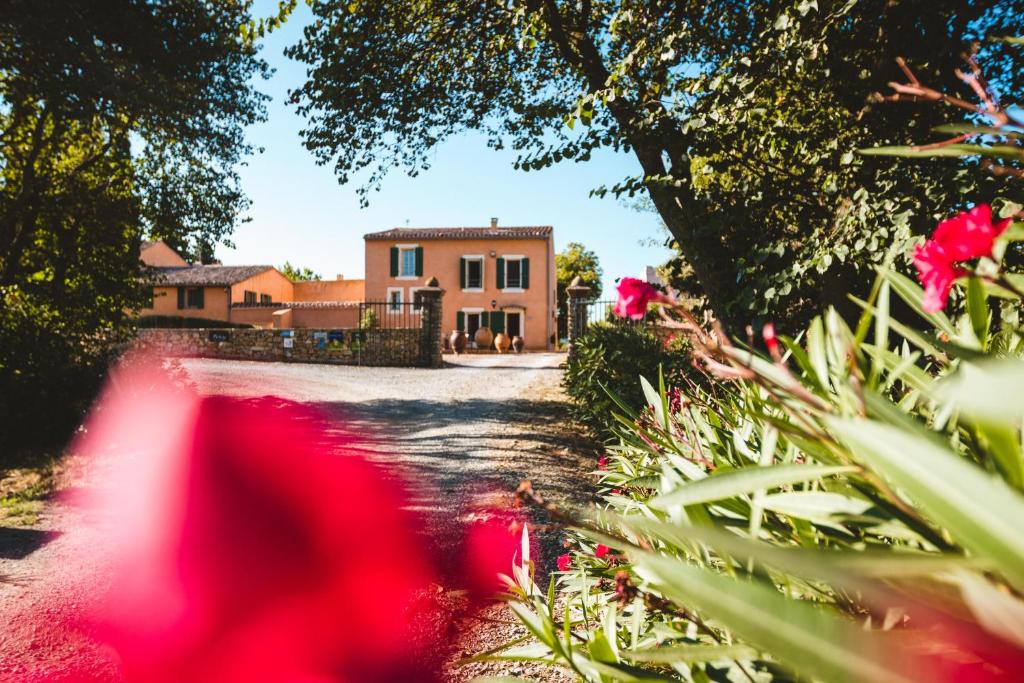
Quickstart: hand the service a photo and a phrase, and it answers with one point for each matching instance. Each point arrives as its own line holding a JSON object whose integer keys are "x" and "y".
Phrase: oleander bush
{"x": 843, "y": 507}
{"x": 616, "y": 355}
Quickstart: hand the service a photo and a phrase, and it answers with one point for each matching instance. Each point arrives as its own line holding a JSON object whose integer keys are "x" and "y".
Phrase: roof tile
{"x": 468, "y": 233}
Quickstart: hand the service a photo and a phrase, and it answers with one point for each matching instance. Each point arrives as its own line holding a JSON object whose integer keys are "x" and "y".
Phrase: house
{"x": 254, "y": 295}
{"x": 502, "y": 278}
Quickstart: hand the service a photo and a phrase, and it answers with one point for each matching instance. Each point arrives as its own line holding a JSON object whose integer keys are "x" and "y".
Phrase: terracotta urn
{"x": 518, "y": 344}
{"x": 457, "y": 339}
{"x": 483, "y": 337}
{"x": 502, "y": 342}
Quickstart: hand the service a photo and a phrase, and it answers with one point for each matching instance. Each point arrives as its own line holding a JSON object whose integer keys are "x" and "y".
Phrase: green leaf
{"x": 816, "y": 506}
{"x": 810, "y": 639}
{"x": 912, "y": 293}
{"x": 674, "y": 654}
{"x": 981, "y": 512}
{"x": 977, "y": 309}
{"x": 746, "y": 480}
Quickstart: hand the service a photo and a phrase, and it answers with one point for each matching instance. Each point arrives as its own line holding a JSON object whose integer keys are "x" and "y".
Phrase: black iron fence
{"x": 389, "y": 315}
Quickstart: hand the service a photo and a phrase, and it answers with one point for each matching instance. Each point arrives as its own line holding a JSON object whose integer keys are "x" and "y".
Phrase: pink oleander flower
{"x": 601, "y": 550}
{"x": 564, "y": 562}
{"x": 602, "y": 462}
{"x": 937, "y": 272}
{"x": 770, "y": 340}
{"x": 634, "y": 297}
{"x": 968, "y": 235}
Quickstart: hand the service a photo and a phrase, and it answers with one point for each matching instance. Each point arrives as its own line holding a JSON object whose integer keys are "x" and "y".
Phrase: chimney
{"x": 494, "y": 222}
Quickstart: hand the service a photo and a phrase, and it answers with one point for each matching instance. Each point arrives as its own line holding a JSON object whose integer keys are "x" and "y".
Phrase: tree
{"x": 744, "y": 116}
{"x": 117, "y": 121}
{"x": 575, "y": 260}
{"x": 296, "y": 274}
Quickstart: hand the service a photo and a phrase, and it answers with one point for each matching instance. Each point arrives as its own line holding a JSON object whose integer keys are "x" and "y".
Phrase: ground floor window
{"x": 394, "y": 299}
{"x": 191, "y": 297}
{"x": 472, "y": 324}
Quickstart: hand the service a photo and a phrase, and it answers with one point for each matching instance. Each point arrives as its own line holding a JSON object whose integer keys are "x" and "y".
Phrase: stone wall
{"x": 393, "y": 347}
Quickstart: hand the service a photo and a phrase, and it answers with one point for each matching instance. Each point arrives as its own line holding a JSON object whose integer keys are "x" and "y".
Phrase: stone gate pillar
{"x": 576, "y": 310}
{"x": 430, "y": 324}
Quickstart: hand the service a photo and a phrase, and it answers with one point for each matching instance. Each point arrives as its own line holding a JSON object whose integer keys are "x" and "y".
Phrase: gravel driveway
{"x": 461, "y": 436}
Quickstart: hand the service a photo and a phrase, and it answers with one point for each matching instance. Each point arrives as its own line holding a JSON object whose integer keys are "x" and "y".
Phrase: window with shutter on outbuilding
{"x": 394, "y": 261}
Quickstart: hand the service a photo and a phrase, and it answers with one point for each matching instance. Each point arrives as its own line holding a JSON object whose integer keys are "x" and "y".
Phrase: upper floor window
{"x": 406, "y": 261}
{"x": 513, "y": 272}
{"x": 249, "y": 297}
{"x": 472, "y": 275}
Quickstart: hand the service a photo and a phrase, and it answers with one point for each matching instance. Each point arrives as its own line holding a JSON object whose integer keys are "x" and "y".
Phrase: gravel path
{"x": 461, "y": 436}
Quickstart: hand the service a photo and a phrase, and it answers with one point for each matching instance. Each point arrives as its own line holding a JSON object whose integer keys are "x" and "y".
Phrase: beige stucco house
{"x": 254, "y": 295}
{"x": 497, "y": 277}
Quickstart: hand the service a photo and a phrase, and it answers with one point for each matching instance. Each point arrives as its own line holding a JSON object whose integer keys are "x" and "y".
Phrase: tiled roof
{"x": 298, "y": 304}
{"x": 204, "y": 276}
{"x": 512, "y": 232}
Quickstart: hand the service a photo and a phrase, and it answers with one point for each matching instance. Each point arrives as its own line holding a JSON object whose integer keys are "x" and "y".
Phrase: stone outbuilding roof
{"x": 203, "y": 276}
{"x": 512, "y": 232}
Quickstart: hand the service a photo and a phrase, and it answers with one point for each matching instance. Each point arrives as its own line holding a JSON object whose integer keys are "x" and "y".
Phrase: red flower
{"x": 564, "y": 562}
{"x": 253, "y": 543}
{"x": 634, "y": 297}
{"x": 970, "y": 234}
{"x": 601, "y": 550}
{"x": 770, "y": 340}
{"x": 617, "y": 492}
{"x": 602, "y": 462}
{"x": 936, "y": 272}
{"x": 966, "y": 236}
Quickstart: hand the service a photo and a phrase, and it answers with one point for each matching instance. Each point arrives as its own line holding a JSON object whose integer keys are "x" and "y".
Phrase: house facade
{"x": 502, "y": 278}
{"x": 253, "y": 295}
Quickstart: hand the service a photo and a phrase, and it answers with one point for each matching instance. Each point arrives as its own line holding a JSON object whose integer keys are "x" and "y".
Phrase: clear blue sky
{"x": 301, "y": 214}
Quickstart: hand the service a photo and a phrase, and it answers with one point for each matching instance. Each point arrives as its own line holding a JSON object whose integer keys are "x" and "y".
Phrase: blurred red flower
{"x": 601, "y": 550}
{"x": 254, "y": 544}
{"x": 634, "y": 297}
{"x": 602, "y": 462}
{"x": 564, "y": 562}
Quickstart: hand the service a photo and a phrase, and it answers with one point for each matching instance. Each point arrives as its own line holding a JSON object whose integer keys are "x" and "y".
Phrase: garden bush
{"x": 616, "y": 355}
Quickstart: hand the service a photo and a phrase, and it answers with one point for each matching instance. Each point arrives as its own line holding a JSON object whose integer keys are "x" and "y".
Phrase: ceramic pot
{"x": 483, "y": 337}
{"x": 457, "y": 341}
{"x": 518, "y": 344}
{"x": 502, "y": 342}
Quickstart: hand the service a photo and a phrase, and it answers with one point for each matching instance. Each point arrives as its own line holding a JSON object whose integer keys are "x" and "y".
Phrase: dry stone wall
{"x": 391, "y": 347}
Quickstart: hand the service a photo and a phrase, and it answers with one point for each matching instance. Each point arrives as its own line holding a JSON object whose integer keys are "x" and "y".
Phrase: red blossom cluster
{"x": 969, "y": 235}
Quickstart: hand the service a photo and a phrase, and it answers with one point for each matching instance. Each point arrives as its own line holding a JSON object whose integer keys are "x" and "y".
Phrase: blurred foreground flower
{"x": 634, "y": 298}
{"x": 255, "y": 546}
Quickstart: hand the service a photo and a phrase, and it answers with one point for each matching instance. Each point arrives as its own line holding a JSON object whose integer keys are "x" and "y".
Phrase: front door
{"x": 514, "y": 323}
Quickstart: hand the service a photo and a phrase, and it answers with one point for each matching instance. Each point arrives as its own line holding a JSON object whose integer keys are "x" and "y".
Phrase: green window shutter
{"x": 419, "y": 261}
{"x": 460, "y": 321}
{"x": 497, "y": 322}
{"x": 181, "y": 298}
{"x": 394, "y": 261}
{"x": 525, "y": 273}
{"x": 501, "y": 273}
{"x": 202, "y": 297}
{"x": 484, "y": 320}
{"x": 462, "y": 273}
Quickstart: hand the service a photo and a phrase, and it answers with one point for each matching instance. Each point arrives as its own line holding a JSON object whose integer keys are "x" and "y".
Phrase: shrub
{"x": 845, "y": 511}
{"x": 616, "y": 355}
